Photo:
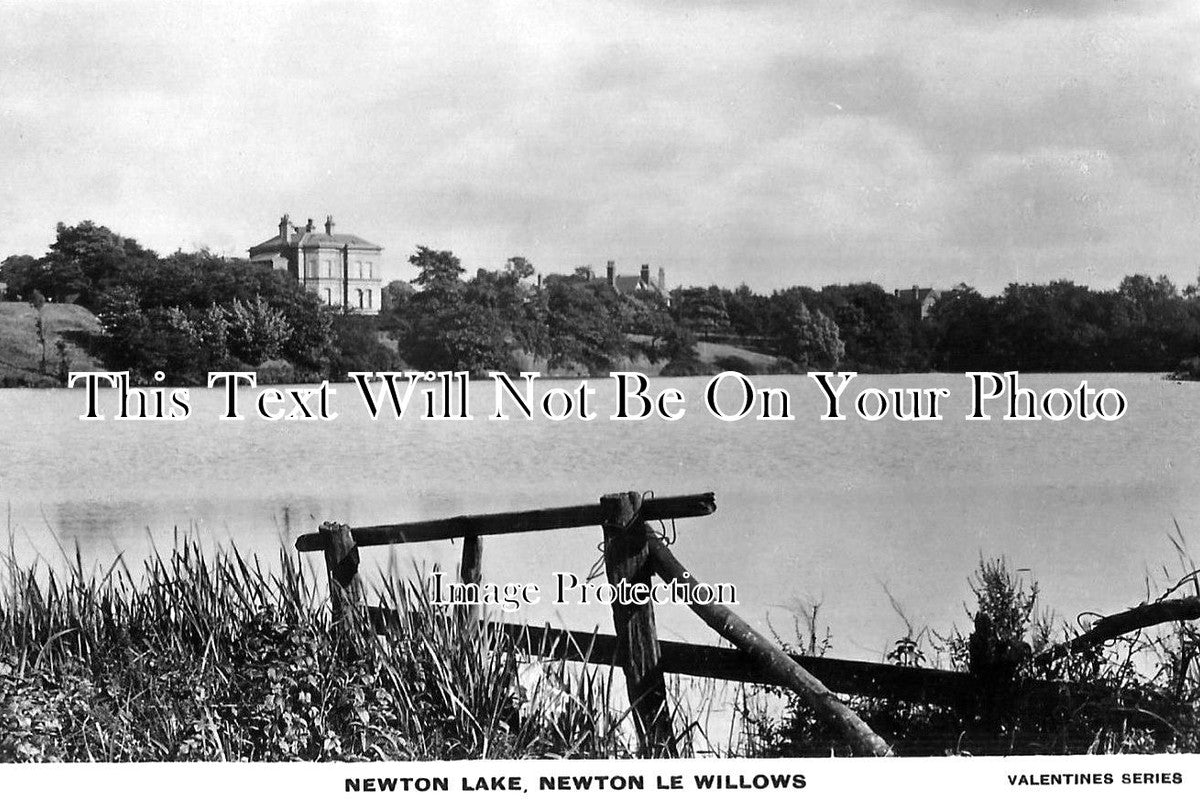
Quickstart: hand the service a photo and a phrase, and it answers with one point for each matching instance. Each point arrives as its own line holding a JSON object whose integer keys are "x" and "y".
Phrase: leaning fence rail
{"x": 634, "y": 553}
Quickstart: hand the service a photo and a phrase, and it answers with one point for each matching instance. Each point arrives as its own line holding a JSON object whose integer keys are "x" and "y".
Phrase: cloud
{"x": 1002, "y": 9}
{"x": 770, "y": 142}
{"x": 1047, "y": 198}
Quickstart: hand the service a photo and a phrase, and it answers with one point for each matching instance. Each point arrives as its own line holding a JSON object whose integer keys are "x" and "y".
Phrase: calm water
{"x": 839, "y": 513}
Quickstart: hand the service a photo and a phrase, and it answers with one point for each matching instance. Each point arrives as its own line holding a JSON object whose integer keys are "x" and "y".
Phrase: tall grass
{"x": 1140, "y": 693}
{"x": 212, "y": 657}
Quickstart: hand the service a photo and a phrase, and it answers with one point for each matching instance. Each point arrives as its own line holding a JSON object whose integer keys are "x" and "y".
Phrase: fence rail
{"x": 844, "y": 676}
{"x": 545, "y": 519}
{"x": 633, "y": 554}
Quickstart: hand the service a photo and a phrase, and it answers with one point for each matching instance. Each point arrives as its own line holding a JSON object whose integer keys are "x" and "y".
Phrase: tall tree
{"x": 584, "y": 323}
{"x": 87, "y": 259}
{"x": 809, "y": 338}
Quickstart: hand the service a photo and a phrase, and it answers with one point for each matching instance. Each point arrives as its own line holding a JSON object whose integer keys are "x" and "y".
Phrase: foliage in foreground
{"x": 1140, "y": 693}
{"x": 213, "y": 658}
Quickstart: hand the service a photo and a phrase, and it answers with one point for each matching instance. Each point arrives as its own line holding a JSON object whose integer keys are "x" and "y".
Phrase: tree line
{"x": 188, "y": 313}
{"x": 1145, "y": 324}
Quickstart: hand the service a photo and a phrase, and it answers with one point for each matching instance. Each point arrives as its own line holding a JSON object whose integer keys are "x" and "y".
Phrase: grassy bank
{"x": 21, "y": 351}
{"x": 210, "y": 657}
{"x": 68, "y": 329}
{"x": 214, "y": 658}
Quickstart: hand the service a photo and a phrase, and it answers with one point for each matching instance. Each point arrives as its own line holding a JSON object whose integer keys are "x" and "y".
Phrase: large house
{"x": 340, "y": 268}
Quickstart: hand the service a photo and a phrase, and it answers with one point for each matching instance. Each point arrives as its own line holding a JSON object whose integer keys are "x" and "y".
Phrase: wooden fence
{"x": 633, "y": 554}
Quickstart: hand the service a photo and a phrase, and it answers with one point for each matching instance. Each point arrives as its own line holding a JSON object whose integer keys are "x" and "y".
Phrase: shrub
{"x": 211, "y": 658}
{"x": 684, "y": 367}
{"x": 1137, "y": 694}
{"x": 1188, "y": 369}
{"x": 784, "y": 366}
{"x": 276, "y": 371}
{"x": 735, "y": 364}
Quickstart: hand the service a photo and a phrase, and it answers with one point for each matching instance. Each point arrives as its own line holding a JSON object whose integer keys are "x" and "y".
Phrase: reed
{"x": 196, "y": 655}
{"x": 1136, "y": 693}
{"x": 213, "y": 657}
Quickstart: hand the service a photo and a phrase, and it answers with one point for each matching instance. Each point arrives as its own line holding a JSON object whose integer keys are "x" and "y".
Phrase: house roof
{"x": 916, "y": 295}
{"x": 314, "y": 239}
{"x": 628, "y": 283}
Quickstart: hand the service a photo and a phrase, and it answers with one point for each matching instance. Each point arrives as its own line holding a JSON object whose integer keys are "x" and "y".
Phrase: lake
{"x": 840, "y": 513}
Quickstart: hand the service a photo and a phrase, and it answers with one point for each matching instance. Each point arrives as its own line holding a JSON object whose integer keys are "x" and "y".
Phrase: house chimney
{"x": 284, "y": 227}
{"x": 662, "y": 279}
{"x": 309, "y": 227}
{"x": 329, "y": 225}
{"x": 612, "y": 273}
{"x": 646, "y": 274}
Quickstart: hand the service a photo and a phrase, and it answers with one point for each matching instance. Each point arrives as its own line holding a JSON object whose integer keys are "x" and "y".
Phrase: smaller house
{"x": 919, "y": 301}
{"x": 642, "y": 282}
{"x": 631, "y": 285}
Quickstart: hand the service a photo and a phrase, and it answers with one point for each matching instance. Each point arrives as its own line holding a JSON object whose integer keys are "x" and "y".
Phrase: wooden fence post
{"x": 471, "y": 573}
{"x": 341, "y": 564}
{"x": 995, "y": 664}
{"x": 626, "y": 558}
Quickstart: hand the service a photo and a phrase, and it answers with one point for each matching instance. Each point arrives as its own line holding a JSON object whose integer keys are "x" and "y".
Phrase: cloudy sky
{"x": 770, "y": 143}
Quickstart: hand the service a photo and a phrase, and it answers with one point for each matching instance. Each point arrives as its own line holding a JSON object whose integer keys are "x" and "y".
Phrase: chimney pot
{"x": 612, "y": 273}
{"x": 646, "y": 273}
{"x": 329, "y": 225}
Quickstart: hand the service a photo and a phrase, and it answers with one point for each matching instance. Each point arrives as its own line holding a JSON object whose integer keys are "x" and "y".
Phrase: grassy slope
{"x": 20, "y": 352}
{"x": 709, "y": 352}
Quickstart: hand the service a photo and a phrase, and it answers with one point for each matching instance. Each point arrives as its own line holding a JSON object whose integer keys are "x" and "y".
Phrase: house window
{"x": 370, "y": 267}
{"x": 360, "y": 298}
{"x": 359, "y": 268}
{"x": 369, "y": 299}
{"x": 328, "y": 297}
{"x": 329, "y": 268}
{"x": 313, "y": 270}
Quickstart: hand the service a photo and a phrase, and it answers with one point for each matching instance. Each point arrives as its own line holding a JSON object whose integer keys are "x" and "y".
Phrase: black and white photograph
{"x": 623, "y": 395}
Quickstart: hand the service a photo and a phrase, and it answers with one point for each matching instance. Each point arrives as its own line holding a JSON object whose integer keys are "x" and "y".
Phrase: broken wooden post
{"x": 627, "y": 559}
{"x": 341, "y": 564}
{"x": 1107, "y": 628}
{"x": 772, "y": 660}
{"x": 996, "y": 658}
{"x": 471, "y": 573}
